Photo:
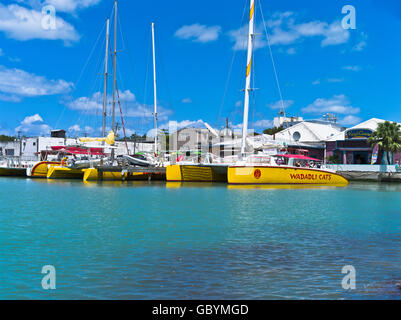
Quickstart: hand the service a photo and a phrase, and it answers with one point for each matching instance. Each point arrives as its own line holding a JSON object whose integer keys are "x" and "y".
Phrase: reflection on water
{"x": 368, "y": 186}
{"x": 372, "y": 186}
{"x": 155, "y": 240}
{"x": 283, "y": 186}
{"x": 175, "y": 185}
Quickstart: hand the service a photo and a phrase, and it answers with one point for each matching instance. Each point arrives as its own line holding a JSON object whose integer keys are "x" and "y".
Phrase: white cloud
{"x": 353, "y": 68}
{"x": 87, "y": 104}
{"x": 337, "y": 104}
{"x": 280, "y": 104}
{"x": 36, "y": 118}
{"x": 186, "y": 100}
{"x": 33, "y": 126}
{"x": 236, "y": 126}
{"x": 1, "y": 52}
{"x": 311, "y": 29}
{"x": 335, "y": 34}
{"x": 238, "y": 103}
{"x": 198, "y": 33}
{"x": 350, "y": 120}
{"x": 240, "y": 39}
{"x": 359, "y": 46}
{"x": 283, "y": 30}
{"x": 131, "y": 107}
{"x": 137, "y": 110}
{"x": 24, "y": 24}
{"x": 69, "y": 6}
{"x": 76, "y": 129}
{"x": 9, "y": 98}
{"x": 94, "y": 103}
{"x": 177, "y": 125}
{"x": 259, "y": 124}
{"x": 329, "y": 80}
{"x": 14, "y": 59}
{"x": 362, "y": 43}
{"x": 291, "y": 51}
{"x": 16, "y": 84}
{"x": 335, "y": 80}
{"x": 262, "y": 124}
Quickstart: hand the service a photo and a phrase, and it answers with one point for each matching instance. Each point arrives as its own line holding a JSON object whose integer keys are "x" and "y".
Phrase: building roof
{"x": 371, "y": 124}
{"x": 308, "y": 132}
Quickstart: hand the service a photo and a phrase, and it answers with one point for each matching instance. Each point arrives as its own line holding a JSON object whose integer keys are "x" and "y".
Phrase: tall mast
{"x": 105, "y": 78}
{"x": 251, "y": 36}
{"x": 154, "y": 85}
{"x": 114, "y": 68}
{"x": 113, "y": 126}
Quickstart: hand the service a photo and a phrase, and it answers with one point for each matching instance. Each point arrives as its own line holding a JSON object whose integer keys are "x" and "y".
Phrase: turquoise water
{"x": 156, "y": 241}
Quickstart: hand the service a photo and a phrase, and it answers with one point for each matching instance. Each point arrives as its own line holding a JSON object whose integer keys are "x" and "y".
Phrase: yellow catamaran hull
{"x": 12, "y": 172}
{"x": 283, "y": 175}
{"x": 64, "y": 173}
{"x": 196, "y": 173}
{"x": 92, "y": 174}
{"x": 41, "y": 169}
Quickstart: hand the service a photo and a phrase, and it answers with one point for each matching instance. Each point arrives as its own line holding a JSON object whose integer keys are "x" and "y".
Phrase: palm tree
{"x": 388, "y": 137}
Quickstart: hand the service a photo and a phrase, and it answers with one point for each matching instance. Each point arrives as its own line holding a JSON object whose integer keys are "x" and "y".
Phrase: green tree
{"x": 388, "y": 137}
{"x": 4, "y": 138}
{"x": 272, "y": 131}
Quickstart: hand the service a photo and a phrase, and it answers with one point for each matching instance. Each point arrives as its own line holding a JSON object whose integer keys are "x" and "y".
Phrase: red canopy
{"x": 297, "y": 156}
{"x": 77, "y": 150}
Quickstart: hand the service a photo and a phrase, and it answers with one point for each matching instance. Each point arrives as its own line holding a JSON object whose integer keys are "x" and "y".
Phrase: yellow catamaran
{"x": 285, "y": 169}
{"x": 275, "y": 172}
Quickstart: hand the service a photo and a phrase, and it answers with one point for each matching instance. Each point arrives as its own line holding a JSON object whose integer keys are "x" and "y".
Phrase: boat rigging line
{"x": 272, "y": 58}
{"x": 230, "y": 69}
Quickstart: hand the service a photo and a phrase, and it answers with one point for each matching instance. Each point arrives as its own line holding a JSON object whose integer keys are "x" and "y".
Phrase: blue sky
{"x": 52, "y": 79}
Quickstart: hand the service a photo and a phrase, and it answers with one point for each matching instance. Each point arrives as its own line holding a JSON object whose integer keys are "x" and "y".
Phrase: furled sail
{"x": 109, "y": 139}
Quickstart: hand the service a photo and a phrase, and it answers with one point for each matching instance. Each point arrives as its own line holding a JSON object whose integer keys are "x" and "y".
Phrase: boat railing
{"x": 15, "y": 161}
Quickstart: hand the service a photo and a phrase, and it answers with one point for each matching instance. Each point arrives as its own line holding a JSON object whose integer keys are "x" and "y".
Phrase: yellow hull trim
{"x": 64, "y": 173}
{"x": 283, "y": 175}
{"x": 196, "y": 173}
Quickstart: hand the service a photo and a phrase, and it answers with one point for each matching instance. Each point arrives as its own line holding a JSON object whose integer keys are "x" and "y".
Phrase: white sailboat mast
{"x": 114, "y": 68}
{"x": 251, "y": 36}
{"x": 105, "y": 78}
{"x": 154, "y": 85}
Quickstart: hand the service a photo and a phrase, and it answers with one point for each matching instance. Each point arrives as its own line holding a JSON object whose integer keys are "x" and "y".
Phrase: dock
{"x": 371, "y": 176}
{"x": 370, "y": 173}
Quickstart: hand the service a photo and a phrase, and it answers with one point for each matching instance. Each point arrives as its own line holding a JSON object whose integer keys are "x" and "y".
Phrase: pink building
{"x": 351, "y": 146}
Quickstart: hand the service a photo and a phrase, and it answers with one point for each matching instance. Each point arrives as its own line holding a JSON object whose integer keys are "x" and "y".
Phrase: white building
{"x": 309, "y": 132}
{"x": 32, "y": 147}
{"x": 283, "y": 121}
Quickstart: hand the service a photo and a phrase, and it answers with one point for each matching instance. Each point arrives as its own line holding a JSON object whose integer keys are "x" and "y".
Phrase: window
{"x": 296, "y": 136}
{"x": 9, "y": 152}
